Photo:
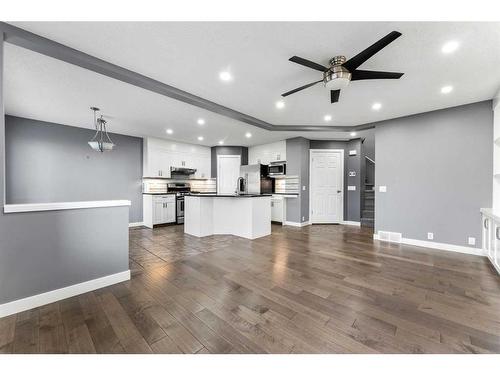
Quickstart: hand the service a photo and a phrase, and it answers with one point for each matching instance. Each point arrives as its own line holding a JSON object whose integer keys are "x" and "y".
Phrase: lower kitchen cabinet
{"x": 277, "y": 209}
{"x": 158, "y": 209}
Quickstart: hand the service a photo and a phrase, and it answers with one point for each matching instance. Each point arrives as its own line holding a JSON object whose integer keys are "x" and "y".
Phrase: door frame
{"x": 311, "y": 192}
{"x": 225, "y": 157}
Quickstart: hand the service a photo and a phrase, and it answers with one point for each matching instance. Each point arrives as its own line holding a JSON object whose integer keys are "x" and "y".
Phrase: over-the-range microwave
{"x": 277, "y": 168}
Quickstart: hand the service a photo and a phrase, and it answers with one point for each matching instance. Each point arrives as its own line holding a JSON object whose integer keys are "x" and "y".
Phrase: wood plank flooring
{"x": 317, "y": 289}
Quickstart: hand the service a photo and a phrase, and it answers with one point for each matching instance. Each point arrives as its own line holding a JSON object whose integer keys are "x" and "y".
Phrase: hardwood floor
{"x": 319, "y": 289}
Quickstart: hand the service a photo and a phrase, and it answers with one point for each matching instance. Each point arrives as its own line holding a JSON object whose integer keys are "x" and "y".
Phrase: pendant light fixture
{"x": 101, "y": 141}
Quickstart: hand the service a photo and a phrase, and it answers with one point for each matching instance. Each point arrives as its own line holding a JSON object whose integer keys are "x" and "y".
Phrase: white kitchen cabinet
{"x": 159, "y": 155}
{"x": 267, "y": 153}
{"x": 277, "y": 209}
{"x": 158, "y": 209}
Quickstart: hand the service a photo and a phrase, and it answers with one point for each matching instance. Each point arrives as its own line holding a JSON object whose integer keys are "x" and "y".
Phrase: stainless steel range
{"x": 180, "y": 189}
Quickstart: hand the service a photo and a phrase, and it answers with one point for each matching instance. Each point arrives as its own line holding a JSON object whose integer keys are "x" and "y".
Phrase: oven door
{"x": 180, "y": 210}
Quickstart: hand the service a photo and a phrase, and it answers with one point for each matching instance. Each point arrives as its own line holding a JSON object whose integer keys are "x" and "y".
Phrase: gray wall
{"x": 42, "y": 251}
{"x": 437, "y": 167}
{"x": 297, "y": 164}
{"x": 351, "y": 163}
{"x": 48, "y": 162}
{"x": 228, "y": 150}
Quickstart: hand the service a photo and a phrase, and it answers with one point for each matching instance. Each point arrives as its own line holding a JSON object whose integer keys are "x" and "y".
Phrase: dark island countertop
{"x": 212, "y": 195}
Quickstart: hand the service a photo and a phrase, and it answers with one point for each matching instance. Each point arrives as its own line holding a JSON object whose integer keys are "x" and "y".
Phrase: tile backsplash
{"x": 152, "y": 185}
{"x": 287, "y": 185}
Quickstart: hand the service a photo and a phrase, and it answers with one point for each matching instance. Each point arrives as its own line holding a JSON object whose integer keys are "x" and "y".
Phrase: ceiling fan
{"x": 342, "y": 71}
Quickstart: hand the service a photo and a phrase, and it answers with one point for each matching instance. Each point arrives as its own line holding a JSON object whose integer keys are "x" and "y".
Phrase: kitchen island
{"x": 247, "y": 216}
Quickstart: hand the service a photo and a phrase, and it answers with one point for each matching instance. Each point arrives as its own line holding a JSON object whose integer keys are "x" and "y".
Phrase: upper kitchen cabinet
{"x": 267, "y": 153}
{"x": 159, "y": 155}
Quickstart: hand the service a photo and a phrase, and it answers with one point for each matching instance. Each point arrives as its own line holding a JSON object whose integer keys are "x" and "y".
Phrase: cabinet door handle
{"x": 485, "y": 224}
{"x": 497, "y": 234}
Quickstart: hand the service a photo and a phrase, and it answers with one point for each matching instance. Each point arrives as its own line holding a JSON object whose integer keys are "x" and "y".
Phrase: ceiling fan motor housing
{"x": 337, "y": 77}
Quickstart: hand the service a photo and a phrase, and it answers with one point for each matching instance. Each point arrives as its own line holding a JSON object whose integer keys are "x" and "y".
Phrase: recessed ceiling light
{"x": 200, "y": 138}
{"x": 201, "y": 121}
{"x": 376, "y": 106}
{"x": 446, "y": 89}
{"x": 353, "y": 134}
{"x": 248, "y": 135}
{"x": 280, "y": 104}
{"x": 450, "y": 46}
{"x": 169, "y": 131}
{"x": 221, "y": 142}
{"x": 327, "y": 118}
{"x": 225, "y": 76}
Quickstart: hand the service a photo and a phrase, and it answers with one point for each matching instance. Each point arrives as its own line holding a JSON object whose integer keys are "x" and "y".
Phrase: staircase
{"x": 368, "y": 213}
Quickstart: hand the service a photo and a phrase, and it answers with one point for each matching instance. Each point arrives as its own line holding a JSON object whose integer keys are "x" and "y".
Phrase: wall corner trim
{"x": 438, "y": 246}
{"x": 37, "y": 300}
{"x": 295, "y": 224}
{"x": 137, "y": 224}
{"x": 355, "y": 223}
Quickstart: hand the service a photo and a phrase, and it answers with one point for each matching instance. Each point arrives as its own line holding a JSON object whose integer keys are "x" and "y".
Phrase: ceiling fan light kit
{"x": 342, "y": 71}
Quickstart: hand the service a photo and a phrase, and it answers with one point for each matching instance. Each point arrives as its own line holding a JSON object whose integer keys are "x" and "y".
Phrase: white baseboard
{"x": 438, "y": 246}
{"x": 492, "y": 261}
{"x": 28, "y": 303}
{"x": 355, "y": 223}
{"x": 138, "y": 224}
{"x": 444, "y": 246}
{"x": 295, "y": 224}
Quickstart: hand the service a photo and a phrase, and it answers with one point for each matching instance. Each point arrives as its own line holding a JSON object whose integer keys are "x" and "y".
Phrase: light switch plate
{"x": 471, "y": 241}
{"x": 351, "y": 188}
{"x": 382, "y": 189}
{"x": 352, "y": 173}
{"x": 303, "y": 188}
{"x": 353, "y": 152}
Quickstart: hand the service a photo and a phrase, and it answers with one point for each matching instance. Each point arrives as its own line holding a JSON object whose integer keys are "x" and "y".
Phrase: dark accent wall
{"x": 438, "y": 169}
{"x": 352, "y": 199}
{"x": 228, "y": 150}
{"x": 297, "y": 164}
{"x": 47, "y": 162}
{"x": 43, "y": 251}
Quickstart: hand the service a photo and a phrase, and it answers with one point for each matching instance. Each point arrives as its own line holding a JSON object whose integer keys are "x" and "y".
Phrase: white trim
{"x": 355, "y": 223}
{"x": 28, "y": 303}
{"x": 31, "y": 207}
{"x": 438, "y": 246}
{"x": 295, "y": 224}
{"x": 332, "y": 150}
{"x": 137, "y": 224}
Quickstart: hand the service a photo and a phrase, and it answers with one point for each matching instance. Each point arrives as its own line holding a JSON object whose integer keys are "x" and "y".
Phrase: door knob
{"x": 339, "y": 191}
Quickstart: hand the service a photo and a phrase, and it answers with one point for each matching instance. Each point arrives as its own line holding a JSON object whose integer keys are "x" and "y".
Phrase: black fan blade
{"x": 361, "y": 57}
{"x": 358, "y": 75}
{"x": 309, "y": 64}
{"x": 334, "y": 95}
{"x": 300, "y": 88}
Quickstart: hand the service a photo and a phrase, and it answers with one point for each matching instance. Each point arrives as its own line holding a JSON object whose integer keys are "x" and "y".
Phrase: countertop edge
{"x": 228, "y": 196}
{"x": 57, "y": 206}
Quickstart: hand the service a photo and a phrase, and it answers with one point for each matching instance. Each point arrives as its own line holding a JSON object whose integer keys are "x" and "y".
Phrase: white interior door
{"x": 326, "y": 186}
{"x": 228, "y": 171}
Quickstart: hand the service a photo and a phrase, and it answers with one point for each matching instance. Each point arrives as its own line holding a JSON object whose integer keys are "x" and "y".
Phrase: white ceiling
{"x": 190, "y": 56}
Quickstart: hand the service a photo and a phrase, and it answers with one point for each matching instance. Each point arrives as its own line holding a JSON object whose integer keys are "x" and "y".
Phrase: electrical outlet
{"x": 471, "y": 241}
{"x": 430, "y": 236}
{"x": 303, "y": 218}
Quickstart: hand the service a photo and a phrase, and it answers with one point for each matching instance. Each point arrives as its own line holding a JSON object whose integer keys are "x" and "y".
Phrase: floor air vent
{"x": 389, "y": 236}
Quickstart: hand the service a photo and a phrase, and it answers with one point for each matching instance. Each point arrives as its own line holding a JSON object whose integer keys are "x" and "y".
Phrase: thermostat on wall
{"x": 352, "y": 152}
